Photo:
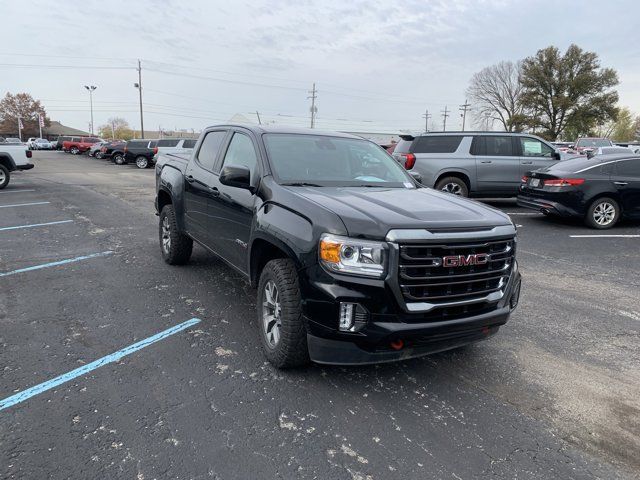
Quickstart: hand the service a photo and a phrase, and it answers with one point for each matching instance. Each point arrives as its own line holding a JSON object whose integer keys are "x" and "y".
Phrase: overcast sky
{"x": 377, "y": 65}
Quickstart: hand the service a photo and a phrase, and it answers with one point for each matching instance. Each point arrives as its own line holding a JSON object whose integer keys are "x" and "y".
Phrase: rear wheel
{"x": 118, "y": 159}
{"x": 282, "y": 330}
{"x": 603, "y": 213}
{"x": 176, "y": 247}
{"x": 142, "y": 162}
{"x": 5, "y": 176}
{"x": 454, "y": 185}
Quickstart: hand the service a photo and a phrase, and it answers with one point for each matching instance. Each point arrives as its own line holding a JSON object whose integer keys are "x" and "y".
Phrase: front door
{"x": 497, "y": 164}
{"x": 626, "y": 179}
{"x": 534, "y": 155}
{"x": 231, "y": 209}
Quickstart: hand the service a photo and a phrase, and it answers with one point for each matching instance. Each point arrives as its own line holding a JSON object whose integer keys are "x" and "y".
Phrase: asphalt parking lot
{"x": 556, "y": 394}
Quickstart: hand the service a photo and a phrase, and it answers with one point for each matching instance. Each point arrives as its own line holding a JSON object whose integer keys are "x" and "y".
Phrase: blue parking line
{"x": 55, "y": 264}
{"x": 114, "y": 357}
{"x": 34, "y": 225}
{"x": 24, "y": 204}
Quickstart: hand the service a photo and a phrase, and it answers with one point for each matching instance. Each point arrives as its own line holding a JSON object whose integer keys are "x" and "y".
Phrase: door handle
{"x": 527, "y": 163}
{"x": 214, "y": 191}
{"x": 485, "y": 161}
{"x": 190, "y": 178}
{"x": 622, "y": 184}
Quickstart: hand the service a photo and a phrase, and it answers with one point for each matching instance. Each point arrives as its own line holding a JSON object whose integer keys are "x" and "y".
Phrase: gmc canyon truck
{"x": 354, "y": 261}
{"x": 13, "y": 157}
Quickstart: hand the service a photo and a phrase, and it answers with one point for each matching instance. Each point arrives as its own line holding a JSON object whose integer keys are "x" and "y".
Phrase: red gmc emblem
{"x": 464, "y": 260}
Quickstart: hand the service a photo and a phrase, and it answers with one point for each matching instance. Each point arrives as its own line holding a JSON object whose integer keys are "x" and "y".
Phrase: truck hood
{"x": 372, "y": 212}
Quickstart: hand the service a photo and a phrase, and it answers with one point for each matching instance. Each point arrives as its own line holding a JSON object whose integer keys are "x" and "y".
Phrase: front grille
{"x": 425, "y": 273}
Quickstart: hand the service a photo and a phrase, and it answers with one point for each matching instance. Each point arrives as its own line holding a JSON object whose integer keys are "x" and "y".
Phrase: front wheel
{"x": 176, "y": 247}
{"x": 282, "y": 331}
{"x": 5, "y": 176}
{"x": 118, "y": 159}
{"x": 142, "y": 162}
{"x": 454, "y": 185}
{"x": 603, "y": 213}
{"x": 74, "y": 150}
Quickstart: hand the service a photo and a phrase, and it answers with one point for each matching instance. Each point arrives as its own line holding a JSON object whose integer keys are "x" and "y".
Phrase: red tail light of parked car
{"x": 563, "y": 182}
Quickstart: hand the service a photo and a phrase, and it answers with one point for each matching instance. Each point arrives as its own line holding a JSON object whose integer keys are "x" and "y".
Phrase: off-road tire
{"x": 7, "y": 176}
{"x": 291, "y": 349}
{"x": 602, "y": 202}
{"x": 459, "y": 186}
{"x": 180, "y": 246}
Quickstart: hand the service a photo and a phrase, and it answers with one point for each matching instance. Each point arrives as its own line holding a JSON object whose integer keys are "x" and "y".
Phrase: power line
{"x": 445, "y": 114}
{"x": 426, "y": 115}
{"x": 314, "y": 109}
{"x": 463, "y": 108}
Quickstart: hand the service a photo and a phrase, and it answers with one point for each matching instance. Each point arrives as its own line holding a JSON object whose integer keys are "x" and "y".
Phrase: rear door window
{"x": 436, "y": 144}
{"x": 628, "y": 168}
{"x": 189, "y": 144}
{"x": 497, "y": 146}
{"x": 403, "y": 146}
{"x": 167, "y": 143}
{"x": 209, "y": 149}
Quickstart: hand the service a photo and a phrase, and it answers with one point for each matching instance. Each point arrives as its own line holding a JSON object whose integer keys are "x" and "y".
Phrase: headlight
{"x": 352, "y": 256}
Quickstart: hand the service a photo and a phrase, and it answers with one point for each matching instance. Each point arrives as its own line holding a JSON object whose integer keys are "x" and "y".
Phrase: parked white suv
{"x": 13, "y": 157}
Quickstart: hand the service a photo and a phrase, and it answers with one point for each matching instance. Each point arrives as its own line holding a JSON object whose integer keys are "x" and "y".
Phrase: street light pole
{"x": 90, "y": 89}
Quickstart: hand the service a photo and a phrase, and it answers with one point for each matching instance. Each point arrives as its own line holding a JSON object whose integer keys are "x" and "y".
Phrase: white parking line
{"x": 18, "y": 227}
{"x": 604, "y": 236}
{"x": 19, "y": 191}
{"x": 24, "y": 204}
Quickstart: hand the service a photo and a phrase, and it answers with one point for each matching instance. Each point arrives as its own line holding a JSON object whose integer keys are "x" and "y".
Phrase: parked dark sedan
{"x": 599, "y": 189}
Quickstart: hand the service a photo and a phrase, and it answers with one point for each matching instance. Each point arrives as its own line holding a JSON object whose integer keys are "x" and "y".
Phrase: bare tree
{"x": 495, "y": 92}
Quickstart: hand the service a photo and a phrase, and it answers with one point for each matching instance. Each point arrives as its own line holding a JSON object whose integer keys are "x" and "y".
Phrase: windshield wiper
{"x": 300, "y": 184}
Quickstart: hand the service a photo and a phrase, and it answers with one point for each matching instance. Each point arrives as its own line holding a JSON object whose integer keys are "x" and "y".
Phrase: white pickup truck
{"x": 13, "y": 157}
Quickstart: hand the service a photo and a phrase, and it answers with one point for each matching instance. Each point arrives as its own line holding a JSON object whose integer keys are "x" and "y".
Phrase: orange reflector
{"x": 330, "y": 251}
{"x": 485, "y": 330}
{"x": 397, "y": 344}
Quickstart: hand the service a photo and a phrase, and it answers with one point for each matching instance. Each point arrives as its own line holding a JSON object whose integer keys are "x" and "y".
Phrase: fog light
{"x": 353, "y": 317}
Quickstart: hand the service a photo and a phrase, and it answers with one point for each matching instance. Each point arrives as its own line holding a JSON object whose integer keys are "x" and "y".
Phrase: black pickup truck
{"x": 354, "y": 261}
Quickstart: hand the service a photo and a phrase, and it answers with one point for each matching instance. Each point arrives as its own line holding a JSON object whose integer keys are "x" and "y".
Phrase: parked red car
{"x": 77, "y": 145}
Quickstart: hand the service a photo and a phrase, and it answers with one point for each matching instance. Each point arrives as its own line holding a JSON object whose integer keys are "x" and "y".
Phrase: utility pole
{"x": 20, "y": 127}
{"x": 90, "y": 89}
{"x": 139, "y": 87}
{"x": 314, "y": 109}
{"x": 463, "y": 108}
{"x": 113, "y": 129}
{"x": 258, "y": 115}
{"x": 445, "y": 114}
{"x": 426, "y": 115}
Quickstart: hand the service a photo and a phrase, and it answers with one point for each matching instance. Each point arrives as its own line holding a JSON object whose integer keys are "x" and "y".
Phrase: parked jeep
{"x": 13, "y": 157}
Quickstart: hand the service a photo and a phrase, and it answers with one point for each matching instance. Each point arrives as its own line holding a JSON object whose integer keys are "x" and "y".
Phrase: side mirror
{"x": 416, "y": 176}
{"x": 237, "y": 176}
{"x": 556, "y": 155}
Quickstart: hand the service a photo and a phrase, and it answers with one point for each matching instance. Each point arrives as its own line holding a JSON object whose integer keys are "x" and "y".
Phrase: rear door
{"x": 497, "y": 164}
{"x": 231, "y": 209}
{"x": 626, "y": 179}
{"x": 534, "y": 154}
{"x": 198, "y": 186}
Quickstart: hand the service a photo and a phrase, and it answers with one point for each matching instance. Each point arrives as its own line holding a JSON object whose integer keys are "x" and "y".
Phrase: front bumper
{"x": 392, "y": 333}
{"x": 25, "y": 166}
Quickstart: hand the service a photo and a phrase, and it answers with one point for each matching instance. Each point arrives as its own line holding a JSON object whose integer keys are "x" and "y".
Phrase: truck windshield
{"x": 332, "y": 161}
